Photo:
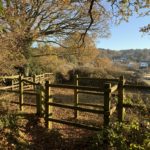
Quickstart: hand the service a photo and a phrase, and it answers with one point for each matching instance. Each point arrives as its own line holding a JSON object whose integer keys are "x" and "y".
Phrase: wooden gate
{"x": 106, "y": 109}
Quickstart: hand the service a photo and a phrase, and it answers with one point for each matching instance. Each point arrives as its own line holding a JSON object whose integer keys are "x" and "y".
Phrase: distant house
{"x": 144, "y": 64}
{"x": 120, "y": 59}
{"x": 132, "y": 65}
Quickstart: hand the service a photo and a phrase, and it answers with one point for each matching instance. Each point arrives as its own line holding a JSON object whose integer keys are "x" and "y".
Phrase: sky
{"x": 127, "y": 35}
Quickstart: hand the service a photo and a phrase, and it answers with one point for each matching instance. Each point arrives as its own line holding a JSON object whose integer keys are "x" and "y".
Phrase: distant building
{"x": 132, "y": 65}
{"x": 144, "y": 64}
{"x": 120, "y": 60}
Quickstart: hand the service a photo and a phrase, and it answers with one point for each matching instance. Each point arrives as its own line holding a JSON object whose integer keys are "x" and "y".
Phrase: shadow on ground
{"x": 28, "y": 132}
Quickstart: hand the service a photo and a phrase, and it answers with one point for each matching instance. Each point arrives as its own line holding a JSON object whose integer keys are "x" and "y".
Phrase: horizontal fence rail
{"x": 92, "y": 93}
{"x": 24, "y": 104}
{"x": 76, "y": 108}
{"x": 92, "y": 105}
{"x": 9, "y": 87}
{"x": 9, "y": 77}
{"x": 74, "y": 87}
{"x": 138, "y": 87}
{"x": 98, "y": 79}
{"x": 30, "y": 82}
{"x": 75, "y": 124}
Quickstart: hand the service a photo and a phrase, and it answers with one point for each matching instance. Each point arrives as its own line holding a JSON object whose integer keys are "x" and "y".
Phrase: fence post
{"x": 107, "y": 96}
{"x": 34, "y": 80}
{"x": 120, "y": 99}
{"x": 76, "y": 97}
{"x": 38, "y": 99}
{"x": 42, "y": 97}
{"x": 20, "y": 93}
{"x": 48, "y": 108}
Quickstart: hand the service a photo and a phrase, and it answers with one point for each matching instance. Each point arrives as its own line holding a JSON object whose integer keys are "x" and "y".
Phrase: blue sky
{"x": 127, "y": 35}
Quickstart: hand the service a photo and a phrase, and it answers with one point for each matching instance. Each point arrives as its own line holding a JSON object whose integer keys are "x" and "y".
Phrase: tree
{"x": 146, "y": 29}
{"x": 54, "y": 20}
{"x": 80, "y": 55}
{"x": 46, "y": 59}
{"x": 9, "y": 59}
{"x": 123, "y": 9}
{"x": 23, "y": 22}
{"x": 48, "y": 20}
{"x": 103, "y": 63}
{"x": 126, "y": 8}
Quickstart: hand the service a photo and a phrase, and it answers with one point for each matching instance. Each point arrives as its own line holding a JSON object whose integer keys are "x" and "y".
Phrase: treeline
{"x": 83, "y": 59}
{"x": 65, "y": 61}
{"x": 136, "y": 55}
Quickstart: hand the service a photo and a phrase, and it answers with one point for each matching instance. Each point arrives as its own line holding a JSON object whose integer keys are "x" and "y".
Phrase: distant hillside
{"x": 136, "y": 55}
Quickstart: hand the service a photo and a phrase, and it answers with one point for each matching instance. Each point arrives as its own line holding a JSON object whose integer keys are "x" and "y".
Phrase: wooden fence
{"x": 122, "y": 104}
{"x": 116, "y": 89}
{"x": 104, "y": 110}
{"x": 27, "y": 86}
{"x": 15, "y": 80}
{"x": 44, "y": 100}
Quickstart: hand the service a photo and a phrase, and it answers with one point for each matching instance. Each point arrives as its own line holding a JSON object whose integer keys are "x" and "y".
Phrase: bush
{"x": 91, "y": 72}
{"x": 123, "y": 136}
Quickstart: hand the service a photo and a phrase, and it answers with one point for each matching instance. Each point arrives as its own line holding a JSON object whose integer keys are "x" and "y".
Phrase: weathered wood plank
{"x": 98, "y": 79}
{"x": 74, "y": 87}
{"x": 76, "y": 97}
{"x": 9, "y": 77}
{"x": 107, "y": 95}
{"x": 107, "y": 103}
{"x": 24, "y": 104}
{"x": 21, "y": 93}
{"x": 76, "y": 108}
{"x": 92, "y": 93}
{"x": 138, "y": 87}
{"x": 78, "y": 125}
{"x": 48, "y": 108}
{"x": 92, "y": 105}
{"x": 9, "y": 87}
{"x": 120, "y": 109}
{"x": 30, "y": 82}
